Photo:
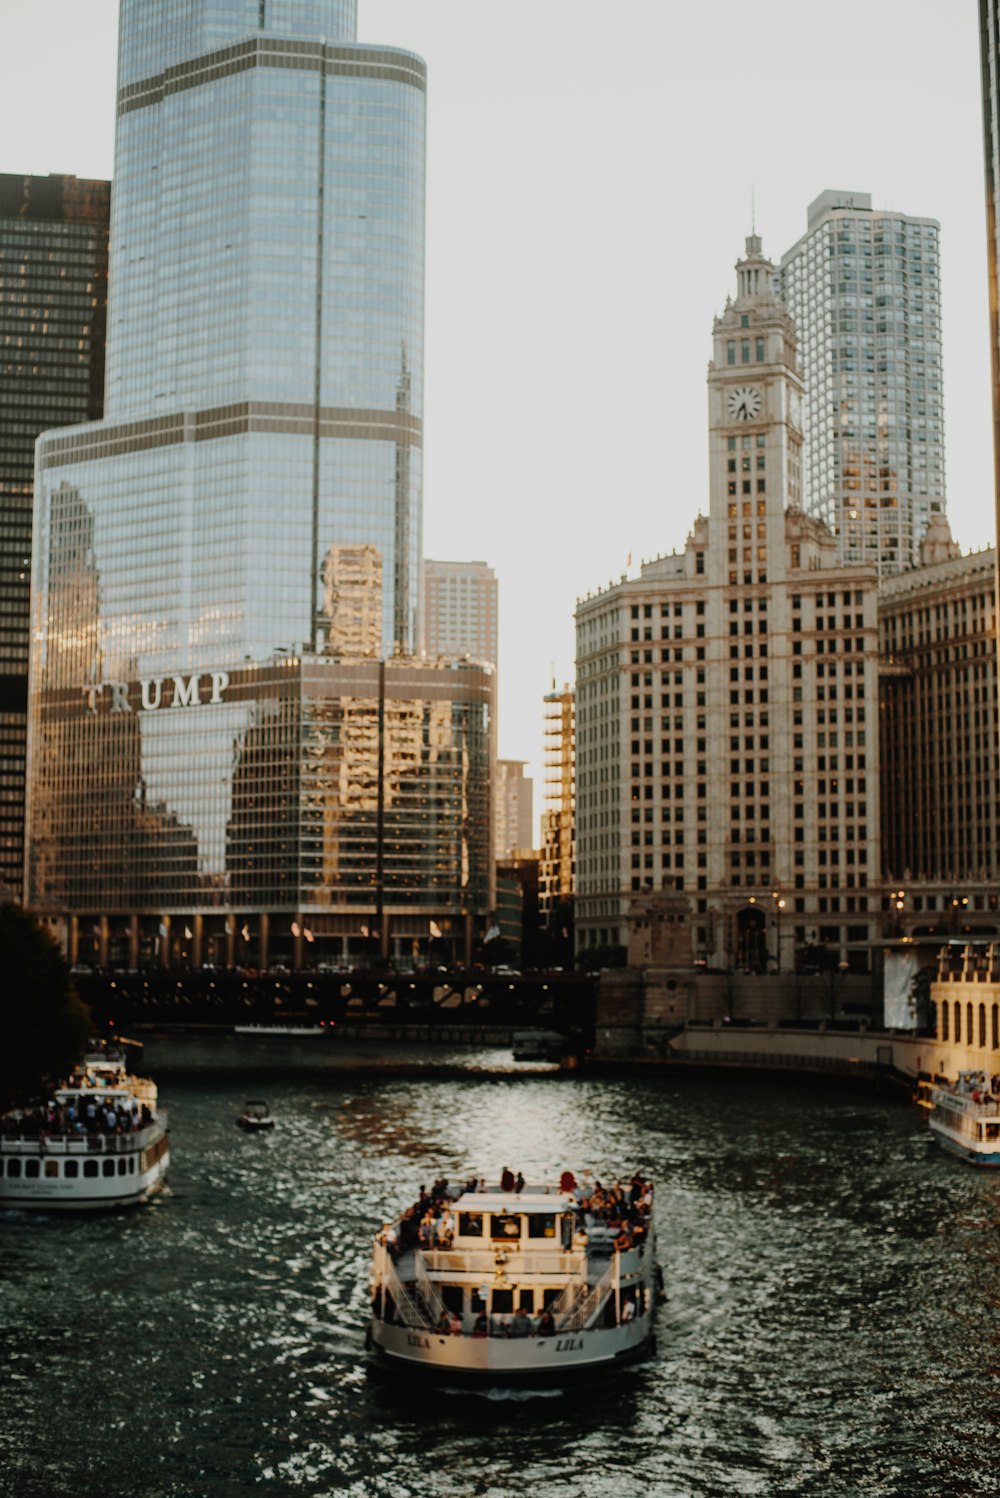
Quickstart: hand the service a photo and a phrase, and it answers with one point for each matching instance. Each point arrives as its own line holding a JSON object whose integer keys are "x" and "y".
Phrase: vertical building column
{"x": 164, "y": 941}
{"x": 133, "y": 941}
{"x": 199, "y": 938}
{"x": 74, "y": 940}
{"x": 297, "y": 944}
{"x": 102, "y": 942}
{"x": 230, "y": 941}
{"x": 264, "y": 951}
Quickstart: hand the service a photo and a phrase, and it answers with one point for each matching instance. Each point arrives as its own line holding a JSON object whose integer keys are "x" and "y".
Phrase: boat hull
{"x": 425, "y": 1356}
{"x": 985, "y": 1158}
{"x": 56, "y": 1192}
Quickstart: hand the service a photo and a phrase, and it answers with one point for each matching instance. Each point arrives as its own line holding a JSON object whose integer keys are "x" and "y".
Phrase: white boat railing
{"x": 583, "y": 1310}
{"x": 428, "y": 1292}
{"x": 12, "y": 1143}
{"x": 516, "y": 1262}
{"x": 410, "y": 1313}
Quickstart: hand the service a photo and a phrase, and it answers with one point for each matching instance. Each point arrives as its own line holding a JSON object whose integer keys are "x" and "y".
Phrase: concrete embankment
{"x": 207, "y": 1049}
{"x": 862, "y": 1055}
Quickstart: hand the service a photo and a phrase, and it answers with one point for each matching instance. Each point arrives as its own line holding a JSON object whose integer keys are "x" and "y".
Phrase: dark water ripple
{"x": 832, "y": 1327}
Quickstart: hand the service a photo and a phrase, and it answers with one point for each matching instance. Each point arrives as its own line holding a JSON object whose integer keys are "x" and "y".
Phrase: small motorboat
{"x": 256, "y": 1117}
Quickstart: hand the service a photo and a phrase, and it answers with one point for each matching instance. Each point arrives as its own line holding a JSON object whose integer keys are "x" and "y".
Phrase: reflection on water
{"x": 832, "y": 1326}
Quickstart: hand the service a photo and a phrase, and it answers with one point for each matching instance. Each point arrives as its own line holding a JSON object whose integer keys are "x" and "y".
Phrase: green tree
{"x": 44, "y": 1026}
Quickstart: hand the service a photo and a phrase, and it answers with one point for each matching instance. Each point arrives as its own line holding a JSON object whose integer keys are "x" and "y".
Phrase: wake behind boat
{"x": 100, "y": 1142}
{"x": 965, "y": 1118}
{"x": 516, "y": 1283}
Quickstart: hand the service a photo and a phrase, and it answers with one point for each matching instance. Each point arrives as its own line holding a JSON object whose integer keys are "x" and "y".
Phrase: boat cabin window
{"x": 453, "y": 1297}
{"x": 13, "y": 1167}
{"x": 503, "y": 1227}
{"x": 503, "y": 1301}
{"x": 71, "y": 1169}
{"x": 526, "y": 1300}
{"x": 542, "y": 1225}
{"x": 90, "y": 1167}
{"x": 51, "y": 1168}
{"x": 109, "y": 1167}
{"x": 470, "y": 1224}
{"x": 31, "y": 1167}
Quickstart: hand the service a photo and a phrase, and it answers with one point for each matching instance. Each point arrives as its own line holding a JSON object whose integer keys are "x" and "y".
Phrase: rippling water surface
{"x": 832, "y": 1324}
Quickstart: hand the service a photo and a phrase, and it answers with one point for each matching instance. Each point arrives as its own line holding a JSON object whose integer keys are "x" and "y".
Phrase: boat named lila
{"x": 516, "y": 1283}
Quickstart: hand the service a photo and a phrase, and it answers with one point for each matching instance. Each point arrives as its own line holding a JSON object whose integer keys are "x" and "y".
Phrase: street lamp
{"x": 897, "y": 902}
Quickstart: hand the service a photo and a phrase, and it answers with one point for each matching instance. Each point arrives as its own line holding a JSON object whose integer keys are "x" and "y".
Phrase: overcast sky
{"x": 590, "y": 171}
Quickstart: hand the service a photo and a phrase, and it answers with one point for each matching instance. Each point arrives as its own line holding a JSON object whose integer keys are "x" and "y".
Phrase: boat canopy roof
{"x": 531, "y": 1199}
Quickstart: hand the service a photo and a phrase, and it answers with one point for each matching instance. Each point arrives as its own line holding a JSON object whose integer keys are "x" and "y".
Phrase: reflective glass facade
{"x": 253, "y": 494}
{"x": 53, "y": 304}
{"x": 864, "y": 288}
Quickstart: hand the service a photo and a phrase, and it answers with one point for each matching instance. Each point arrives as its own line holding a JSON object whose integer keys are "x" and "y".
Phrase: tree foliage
{"x": 44, "y": 1028}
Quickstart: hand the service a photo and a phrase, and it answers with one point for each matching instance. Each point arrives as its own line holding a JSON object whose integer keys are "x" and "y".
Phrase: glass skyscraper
{"x": 864, "y": 288}
{"x": 251, "y": 501}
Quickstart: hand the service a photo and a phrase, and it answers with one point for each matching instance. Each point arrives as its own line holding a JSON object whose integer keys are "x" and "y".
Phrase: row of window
{"x": 68, "y": 1169}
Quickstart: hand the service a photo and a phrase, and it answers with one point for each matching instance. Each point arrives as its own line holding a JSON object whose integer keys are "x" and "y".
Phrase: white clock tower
{"x": 755, "y": 437}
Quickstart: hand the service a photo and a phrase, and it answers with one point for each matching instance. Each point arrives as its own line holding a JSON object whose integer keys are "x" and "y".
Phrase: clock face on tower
{"x": 743, "y": 403}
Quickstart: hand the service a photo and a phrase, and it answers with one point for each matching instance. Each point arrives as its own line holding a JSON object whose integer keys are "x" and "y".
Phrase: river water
{"x": 832, "y": 1324}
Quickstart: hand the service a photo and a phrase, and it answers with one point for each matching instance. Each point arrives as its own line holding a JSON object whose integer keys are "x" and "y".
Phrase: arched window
{"x": 982, "y": 1027}
{"x": 945, "y": 1012}
{"x": 996, "y": 1028}
{"x": 958, "y": 1023}
{"x": 968, "y": 1024}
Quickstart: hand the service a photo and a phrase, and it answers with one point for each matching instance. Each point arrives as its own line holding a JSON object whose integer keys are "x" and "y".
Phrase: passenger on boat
{"x": 546, "y": 1324}
{"x": 506, "y": 1179}
{"x": 519, "y": 1183}
{"x": 521, "y": 1324}
{"x": 481, "y": 1325}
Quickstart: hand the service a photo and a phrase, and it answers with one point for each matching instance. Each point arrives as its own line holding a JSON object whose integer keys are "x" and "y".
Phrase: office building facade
{"x": 989, "y": 58}
{"x": 864, "y": 288}
{"x": 53, "y": 306}
{"x": 513, "y": 800}
{"x": 251, "y": 503}
{"x": 939, "y": 732}
{"x": 726, "y": 723}
{"x": 461, "y": 610}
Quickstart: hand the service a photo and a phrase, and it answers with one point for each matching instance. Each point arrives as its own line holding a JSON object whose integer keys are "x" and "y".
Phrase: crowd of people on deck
{"x": 83, "y": 1113}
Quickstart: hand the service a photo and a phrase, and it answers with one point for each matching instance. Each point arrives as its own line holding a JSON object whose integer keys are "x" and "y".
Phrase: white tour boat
{"x": 100, "y": 1142}
{"x": 516, "y": 1284}
{"x": 965, "y": 1118}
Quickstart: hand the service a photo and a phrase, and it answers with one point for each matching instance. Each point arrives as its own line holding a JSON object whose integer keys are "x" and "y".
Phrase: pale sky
{"x": 590, "y": 172}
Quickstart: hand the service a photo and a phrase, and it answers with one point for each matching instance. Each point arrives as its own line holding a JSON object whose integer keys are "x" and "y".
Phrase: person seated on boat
{"x": 567, "y": 1181}
{"x": 519, "y": 1183}
{"x": 546, "y": 1323}
{"x": 444, "y": 1323}
{"x": 628, "y": 1308}
{"x": 454, "y": 1323}
{"x": 481, "y": 1325}
{"x": 506, "y": 1179}
{"x": 521, "y": 1324}
{"x": 623, "y": 1242}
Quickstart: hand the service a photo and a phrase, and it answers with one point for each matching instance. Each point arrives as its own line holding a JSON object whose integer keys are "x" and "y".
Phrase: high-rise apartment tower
{"x": 864, "y": 288}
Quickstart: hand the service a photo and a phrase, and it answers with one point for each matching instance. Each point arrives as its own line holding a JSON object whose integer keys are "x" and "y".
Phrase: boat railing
{"x": 408, "y": 1308}
{"x": 582, "y": 1311}
{"x": 515, "y": 1260}
{"x": 12, "y": 1142}
{"x": 433, "y": 1304}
